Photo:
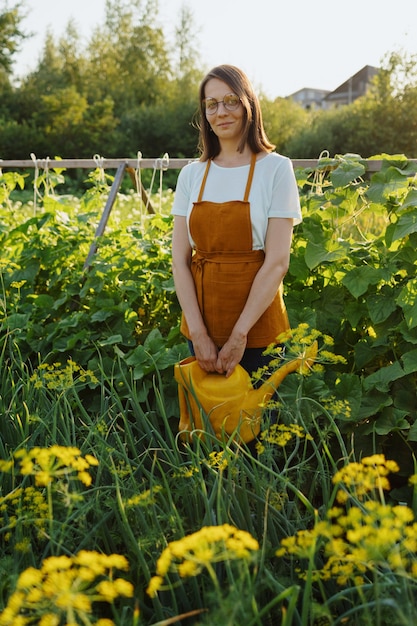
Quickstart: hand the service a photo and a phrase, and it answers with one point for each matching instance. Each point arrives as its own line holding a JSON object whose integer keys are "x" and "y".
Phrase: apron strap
{"x": 248, "y": 184}
{"x": 203, "y": 183}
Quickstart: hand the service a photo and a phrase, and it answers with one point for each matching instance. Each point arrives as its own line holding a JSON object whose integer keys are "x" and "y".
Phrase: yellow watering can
{"x": 230, "y": 404}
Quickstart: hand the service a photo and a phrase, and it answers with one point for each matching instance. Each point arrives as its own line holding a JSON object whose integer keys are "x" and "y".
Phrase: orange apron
{"x": 224, "y": 266}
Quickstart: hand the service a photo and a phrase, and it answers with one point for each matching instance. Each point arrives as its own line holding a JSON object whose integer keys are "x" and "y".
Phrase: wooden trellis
{"x": 130, "y": 166}
{"x": 121, "y": 165}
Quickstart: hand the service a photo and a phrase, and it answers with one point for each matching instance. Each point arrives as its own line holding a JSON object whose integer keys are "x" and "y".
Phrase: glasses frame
{"x": 225, "y": 105}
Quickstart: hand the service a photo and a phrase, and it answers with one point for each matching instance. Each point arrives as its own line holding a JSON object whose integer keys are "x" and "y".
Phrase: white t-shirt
{"x": 274, "y": 191}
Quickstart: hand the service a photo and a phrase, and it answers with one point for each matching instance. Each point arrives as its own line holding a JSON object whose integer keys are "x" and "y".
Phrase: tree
{"x": 283, "y": 119}
{"x": 10, "y": 34}
{"x": 127, "y": 57}
{"x": 187, "y": 55}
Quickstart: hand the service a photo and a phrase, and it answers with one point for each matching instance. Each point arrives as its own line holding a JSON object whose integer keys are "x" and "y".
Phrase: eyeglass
{"x": 230, "y": 102}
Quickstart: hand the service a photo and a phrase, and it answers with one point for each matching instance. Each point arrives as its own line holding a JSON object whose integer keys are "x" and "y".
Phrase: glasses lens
{"x": 231, "y": 101}
{"x": 210, "y": 105}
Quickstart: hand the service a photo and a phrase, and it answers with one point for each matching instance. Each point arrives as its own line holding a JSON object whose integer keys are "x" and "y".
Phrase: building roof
{"x": 355, "y": 86}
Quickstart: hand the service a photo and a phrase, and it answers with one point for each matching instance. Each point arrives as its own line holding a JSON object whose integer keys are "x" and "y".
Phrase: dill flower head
{"x": 61, "y": 377}
{"x": 281, "y": 435}
{"x": 298, "y": 340}
{"x": 25, "y": 509}
{"x": 66, "y": 586}
{"x": 360, "y": 479}
{"x": 145, "y": 498}
{"x": 211, "y": 544}
{"x": 47, "y": 464}
{"x": 218, "y": 460}
{"x": 366, "y": 536}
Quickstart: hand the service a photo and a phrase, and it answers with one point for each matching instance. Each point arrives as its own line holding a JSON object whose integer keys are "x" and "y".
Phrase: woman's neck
{"x": 230, "y": 157}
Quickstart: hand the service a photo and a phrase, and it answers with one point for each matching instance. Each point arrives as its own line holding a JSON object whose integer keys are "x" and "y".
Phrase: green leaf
{"x": 329, "y": 253}
{"x": 354, "y": 311}
{"x": 358, "y": 279}
{"x": 372, "y": 404}
{"x": 409, "y": 360}
{"x": 100, "y": 316}
{"x": 42, "y": 300}
{"x": 347, "y": 172}
{"x": 365, "y": 353}
{"x": 409, "y": 334}
{"x": 406, "y": 225}
{"x": 380, "y": 307}
{"x": 382, "y": 378}
{"x": 67, "y": 343}
{"x": 348, "y": 387}
{"x": 154, "y": 342}
{"x": 298, "y": 268}
{"x": 410, "y": 200}
{"x": 17, "y": 321}
{"x": 387, "y": 183}
{"x": 407, "y": 300}
{"x": 412, "y": 433}
{"x": 112, "y": 340}
{"x": 391, "y": 420}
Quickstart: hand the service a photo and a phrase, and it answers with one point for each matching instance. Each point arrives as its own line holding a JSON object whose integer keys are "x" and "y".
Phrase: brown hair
{"x": 253, "y": 130}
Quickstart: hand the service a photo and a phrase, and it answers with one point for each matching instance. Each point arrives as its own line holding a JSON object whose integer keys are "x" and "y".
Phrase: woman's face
{"x": 225, "y": 118}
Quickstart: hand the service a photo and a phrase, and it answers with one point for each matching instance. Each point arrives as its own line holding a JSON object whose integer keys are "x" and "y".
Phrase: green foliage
{"x": 352, "y": 275}
{"x": 90, "y": 458}
{"x": 121, "y": 307}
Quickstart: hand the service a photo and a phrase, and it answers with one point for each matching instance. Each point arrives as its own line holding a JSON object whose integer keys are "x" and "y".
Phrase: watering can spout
{"x": 212, "y": 402}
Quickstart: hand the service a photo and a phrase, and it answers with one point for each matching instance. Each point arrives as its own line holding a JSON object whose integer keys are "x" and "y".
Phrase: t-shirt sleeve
{"x": 182, "y": 192}
{"x": 285, "y": 200}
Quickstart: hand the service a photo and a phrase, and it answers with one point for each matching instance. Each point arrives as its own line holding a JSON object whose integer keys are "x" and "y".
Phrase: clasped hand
{"x": 223, "y": 361}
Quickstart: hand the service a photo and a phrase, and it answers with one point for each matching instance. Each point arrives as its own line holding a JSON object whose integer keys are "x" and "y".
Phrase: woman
{"x": 234, "y": 212}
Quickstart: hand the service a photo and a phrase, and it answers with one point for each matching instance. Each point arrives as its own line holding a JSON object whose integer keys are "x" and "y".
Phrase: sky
{"x": 282, "y": 45}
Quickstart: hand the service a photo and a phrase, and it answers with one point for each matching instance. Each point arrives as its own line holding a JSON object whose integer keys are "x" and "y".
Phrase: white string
{"x": 49, "y": 188}
{"x": 163, "y": 168}
{"x": 138, "y": 177}
{"x": 317, "y": 184}
{"x": 99, "y": 161}
{"x": 35, "y": 181}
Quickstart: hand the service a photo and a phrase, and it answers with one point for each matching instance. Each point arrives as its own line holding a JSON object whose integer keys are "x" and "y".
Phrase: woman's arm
{"x": 204, "y": 348}
{"x": 263, "y": 290}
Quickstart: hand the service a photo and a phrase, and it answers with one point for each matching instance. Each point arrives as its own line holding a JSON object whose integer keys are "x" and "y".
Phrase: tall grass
{"x": 133, "y": 488}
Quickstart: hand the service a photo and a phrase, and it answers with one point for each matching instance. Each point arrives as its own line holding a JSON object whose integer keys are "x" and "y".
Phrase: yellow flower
{"x": 146, "y": 498}
{"x": 31, "y": 576}
{"x": 85, "y": 478}
{"x": 372, "y": 536}
{"x": 66, "y": 585}
{"x": 109, "y": 590}
{"x": 154, "y": 586}
{"x": 211, "y": 544}
{"x": 281, "y": 435}
{"x": 188, "y": 569}
{"x": 49, "y": 619}
{"x": 364, "y": 477}
{"x": 218, "y": 460}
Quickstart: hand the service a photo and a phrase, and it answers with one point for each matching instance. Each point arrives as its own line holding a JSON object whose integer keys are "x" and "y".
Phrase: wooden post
{"x": 106, "y": 213}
